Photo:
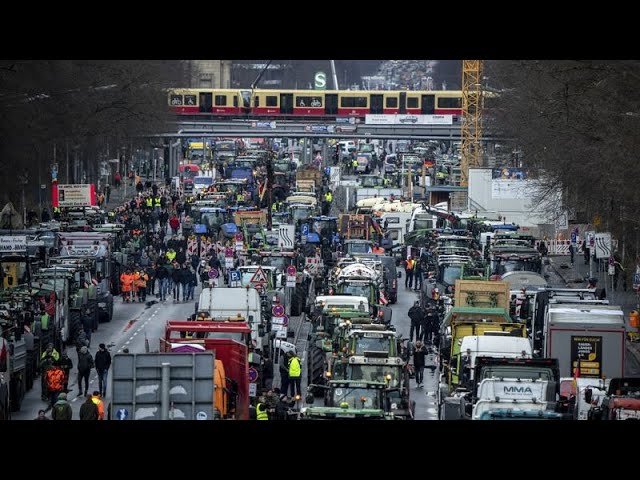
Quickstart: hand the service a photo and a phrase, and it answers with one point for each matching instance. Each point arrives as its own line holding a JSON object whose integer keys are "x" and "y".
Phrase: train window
{"x": 256, "y": 101}
{"x": 221, "y": 100}
{"x": 272, "y": 101}
{"x": 392, "y": 102}
{"x": 412, "y": 102}
{"x": 449, "y": 102}
{"x": 246, "y": 98}
{"x": 360, "y": 102}
{"x": 309, "y": 102}
{"x": 347, "y": 102}
{"x": 190, "y": 100}
{"x": 176, "y": 99}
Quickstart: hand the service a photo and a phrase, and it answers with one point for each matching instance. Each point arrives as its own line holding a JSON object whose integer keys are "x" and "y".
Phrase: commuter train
{"x": 313, "y": 103}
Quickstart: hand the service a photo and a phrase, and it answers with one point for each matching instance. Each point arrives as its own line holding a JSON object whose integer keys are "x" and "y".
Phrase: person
{"x": 55, "y": 383}
{"x": 416, "y": 315}
{"x": 267, "y": 372}
{"x": 117, "y": 179}
{"x": 295, "y": 371}
{"x": 261, "y": 410}
{"x": 586, "y": 251}
{"x": 89, "y": 410}
{"x": 107, "y": 191}
{"x": 417, "y": 274}
{"x": 87, "y": 324}
{"x": 62, "y": 410}
{"x": 542, "y": 248}
{"x": 409, "y": 264}
{"x": 85, "y": 364}
{"x": 103, "y": 362}
{"x": 45, "y": 218}
{"x": 419, "y": 353}
{"x": 48, "y": 358}
{"x": 95, "y": 398}
{"x": 66, "y": 365}
{"x": 41, "y": 415}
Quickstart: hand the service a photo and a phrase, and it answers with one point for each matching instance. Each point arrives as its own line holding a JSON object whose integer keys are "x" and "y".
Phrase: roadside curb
{"x": 553, "y": 266}
{"x": 634, "y": 350}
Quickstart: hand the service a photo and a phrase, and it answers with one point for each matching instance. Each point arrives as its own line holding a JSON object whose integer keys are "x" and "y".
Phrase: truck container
{"x": 588, "y": 337}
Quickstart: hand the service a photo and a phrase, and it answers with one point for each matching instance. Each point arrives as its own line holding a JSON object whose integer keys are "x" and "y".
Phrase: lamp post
{"x": 24, "y": 181}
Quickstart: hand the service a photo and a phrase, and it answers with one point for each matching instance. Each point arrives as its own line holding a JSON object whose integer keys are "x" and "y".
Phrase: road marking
{"x": 432, "y": 410}
{"x": 127, "y": 342}
{"x": 134, "y": 334}
{"x": 74, "y": 399}
{"x": 119, "y": 351}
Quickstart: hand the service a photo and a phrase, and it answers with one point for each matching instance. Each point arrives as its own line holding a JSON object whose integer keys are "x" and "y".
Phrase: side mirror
{"x": 588, "y": 395}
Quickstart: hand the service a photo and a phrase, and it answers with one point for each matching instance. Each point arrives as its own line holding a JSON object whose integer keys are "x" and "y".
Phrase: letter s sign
{"x": 320, "y": 81}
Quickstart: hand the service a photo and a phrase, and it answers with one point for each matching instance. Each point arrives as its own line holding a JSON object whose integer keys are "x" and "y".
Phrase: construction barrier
{"x": 560, "y": 247}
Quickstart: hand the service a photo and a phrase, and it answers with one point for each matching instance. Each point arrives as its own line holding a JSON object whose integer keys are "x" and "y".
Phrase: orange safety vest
{"x": 410, "y": 264}
{"x": 140, "y": 280}
{"x": 100, "y": 404}
{"x": 127, "y": 282}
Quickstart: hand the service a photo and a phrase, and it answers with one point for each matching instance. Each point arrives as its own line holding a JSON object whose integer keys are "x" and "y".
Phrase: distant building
{"x": 209, "y": 73}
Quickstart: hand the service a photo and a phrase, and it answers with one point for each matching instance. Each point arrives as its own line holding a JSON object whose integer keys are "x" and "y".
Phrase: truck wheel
{"x": 5, "y": 408}
{"x": 75, "y": 327}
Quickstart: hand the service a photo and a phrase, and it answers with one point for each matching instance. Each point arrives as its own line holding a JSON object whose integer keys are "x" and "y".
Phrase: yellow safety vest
{"x": 328, "y": 197}
{"x": 149, "y": 202}
{"x": 261, "y": 412}
{"x": 294, "y": 367}
{"x": 156, "y": 202}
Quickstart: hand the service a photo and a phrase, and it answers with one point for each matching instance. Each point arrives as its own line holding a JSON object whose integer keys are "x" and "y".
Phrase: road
{"x": 426, "y": 405}
{"x": 132, "y": 324}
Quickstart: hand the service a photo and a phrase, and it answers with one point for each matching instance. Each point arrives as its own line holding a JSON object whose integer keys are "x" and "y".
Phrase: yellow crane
{"x": 471, "y": 129}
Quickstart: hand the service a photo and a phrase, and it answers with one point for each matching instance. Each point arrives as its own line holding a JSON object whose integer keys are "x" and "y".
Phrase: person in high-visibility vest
{"x": 328, "y": 197}
{"x": 95, "y": 398}
{"x": 409, "y": 265}
{"x": 295, "y": 371}
{"x": 261, "y": 410}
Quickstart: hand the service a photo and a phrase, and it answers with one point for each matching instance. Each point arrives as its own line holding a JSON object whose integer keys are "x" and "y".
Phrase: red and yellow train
{"x": 313, "y": 103}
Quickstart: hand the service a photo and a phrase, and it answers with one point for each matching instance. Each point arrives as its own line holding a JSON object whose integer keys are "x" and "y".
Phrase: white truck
{"x": 500, "y": 393}
{"x": 495, "y": 346}
{"x": 229, "y": 302}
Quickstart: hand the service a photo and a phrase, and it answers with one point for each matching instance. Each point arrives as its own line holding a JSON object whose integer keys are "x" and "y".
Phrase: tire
{"x": 315, "y": 368}
{"x": 17, "y": 393}
{"x": 75, "y": 327}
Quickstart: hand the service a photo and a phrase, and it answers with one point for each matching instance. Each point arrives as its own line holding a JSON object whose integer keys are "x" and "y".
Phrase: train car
{"x": 314, "y": 103}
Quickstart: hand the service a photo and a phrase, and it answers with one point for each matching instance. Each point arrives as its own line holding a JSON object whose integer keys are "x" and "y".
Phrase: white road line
{"x": 134, "y": 335}
{"x": 127, "y": 342}
{"x": 119, "y": 351}
{"x": 74, "y": 399}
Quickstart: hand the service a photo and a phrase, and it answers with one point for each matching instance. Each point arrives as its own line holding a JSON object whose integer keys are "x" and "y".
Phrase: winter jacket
{"x": 416, "y": 314}
{"x": 181, "y": 257}
{"x": 85, "y": 362}
{"x": 89, "y": 410}
{"x": 103, "y": 360}
{"x": 62, "y": 411}
{"x": 161, "y": 273}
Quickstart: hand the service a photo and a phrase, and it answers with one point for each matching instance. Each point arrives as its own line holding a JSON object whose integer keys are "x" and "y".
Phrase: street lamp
{"x": 155, "y": 163}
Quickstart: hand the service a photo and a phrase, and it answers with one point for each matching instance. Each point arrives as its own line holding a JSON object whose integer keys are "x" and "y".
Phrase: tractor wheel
{"x": 296, "y": 302}
{"x": 75, "y": 327}
{"x": 315, "y": 372}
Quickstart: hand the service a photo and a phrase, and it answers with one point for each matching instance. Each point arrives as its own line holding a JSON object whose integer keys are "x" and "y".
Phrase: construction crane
{"x": 471, "y": 130}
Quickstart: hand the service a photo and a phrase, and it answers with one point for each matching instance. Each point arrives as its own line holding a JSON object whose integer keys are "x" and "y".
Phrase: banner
{"x": 80, "y": 195}
{"x": 13, "y": 244}
{"x": 408, "y": 119}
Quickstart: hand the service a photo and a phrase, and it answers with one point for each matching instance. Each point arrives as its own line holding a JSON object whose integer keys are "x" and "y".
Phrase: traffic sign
{"x": 213, "y": 273}
{"x": 253, "y": 375}
{"x": 238, "y": 236}
{"x": 305, "y": 229}
{"x": 320, "y": 81}
{"x": 201, "y": 415}
{"x": 228, "y": 252}
{"x": 291, "y": 270}
{"x": 636, "y": 281}
{"x": 234, "y": 276}
{"x": 259, "y": 277}
{"x": 277, "y": 310}
{"x": 574, "y": 237}
{"x": 122, "y": 414}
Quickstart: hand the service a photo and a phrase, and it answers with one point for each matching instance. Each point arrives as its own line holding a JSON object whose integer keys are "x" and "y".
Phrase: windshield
{"x": 225, "y": 146}
{"x": 371, "y": 181}
{"x": 375, "y": 373}
{"x": 358, "y": 248}
{"x": 213, "y": 218}
{"x": 508, "y": 371}
{"x": 501, "y": 266}
{"x": 300, "y": 214}
{"x": 450, "y": 243}
{"x": 322, "y": 227}
{"x": 357, "y": 397}
{"x": 451, "y": 274}
{"x": 203, "y": 181}
{"x": 281, "y": 167}
{"x": 357, "y": 290}
{"x": 366, "y": 147}
{"x": 423, "y": 221}
{"x": 369, "y": 344}
{"x": 281, "y": 263}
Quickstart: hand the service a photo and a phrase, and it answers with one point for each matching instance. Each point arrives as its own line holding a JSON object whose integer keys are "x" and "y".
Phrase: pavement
{"x": 574, "y": 275}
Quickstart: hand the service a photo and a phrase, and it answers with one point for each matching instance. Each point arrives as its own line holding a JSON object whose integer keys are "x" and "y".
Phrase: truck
{"x": 587, "y": 337}
{"x": 230, "y": 302}
{"x": 622, "y": 401}
{"x": 229, "y": 338}
{"x": 310, "y": 173}
{"x": 497, "y": 393}
{"x": 13, "y": 363}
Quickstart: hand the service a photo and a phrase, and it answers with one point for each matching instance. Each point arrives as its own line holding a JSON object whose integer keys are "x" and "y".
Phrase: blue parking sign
{"x": 305, "y": 229}
{"x": 234, "y": 276}
{"x": 574, "y": 237}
